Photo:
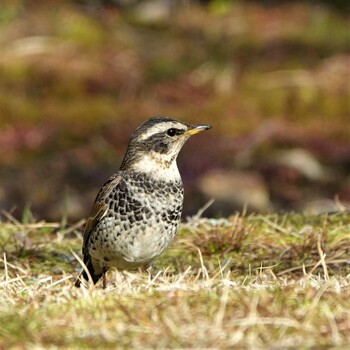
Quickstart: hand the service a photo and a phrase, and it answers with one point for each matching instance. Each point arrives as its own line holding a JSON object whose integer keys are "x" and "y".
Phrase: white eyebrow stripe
{"x": 155, "y": 129}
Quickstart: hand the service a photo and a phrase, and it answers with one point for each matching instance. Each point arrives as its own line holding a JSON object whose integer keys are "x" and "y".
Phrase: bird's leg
{"x": 104, "y": 278}
{"x": 147, "y": 268}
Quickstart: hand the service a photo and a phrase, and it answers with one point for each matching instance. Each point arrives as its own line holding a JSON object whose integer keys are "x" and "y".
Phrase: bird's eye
{"x": 171, "y": 132}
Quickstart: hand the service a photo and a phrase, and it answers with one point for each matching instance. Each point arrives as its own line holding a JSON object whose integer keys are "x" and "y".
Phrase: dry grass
{"x": 277, "y": 281}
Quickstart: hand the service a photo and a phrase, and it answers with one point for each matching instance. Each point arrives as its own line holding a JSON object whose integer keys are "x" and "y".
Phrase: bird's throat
{"x": 158, "y": 168}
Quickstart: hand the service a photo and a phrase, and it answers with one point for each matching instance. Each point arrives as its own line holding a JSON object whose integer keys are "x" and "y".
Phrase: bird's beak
{"x": 195, "y": 129}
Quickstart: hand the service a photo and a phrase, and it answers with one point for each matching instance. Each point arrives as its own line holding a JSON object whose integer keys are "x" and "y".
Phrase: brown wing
{"x": 99, "y": 208}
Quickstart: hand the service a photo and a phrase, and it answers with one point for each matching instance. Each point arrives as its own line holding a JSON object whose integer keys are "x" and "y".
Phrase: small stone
{"x": 233, "y": 190}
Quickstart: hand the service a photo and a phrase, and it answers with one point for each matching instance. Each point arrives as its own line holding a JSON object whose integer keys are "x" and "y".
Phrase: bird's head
{"x": 157, "y": 142}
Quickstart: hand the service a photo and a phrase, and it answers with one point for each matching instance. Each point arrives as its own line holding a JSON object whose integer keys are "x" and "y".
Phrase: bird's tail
{"x": 89, "y": 270}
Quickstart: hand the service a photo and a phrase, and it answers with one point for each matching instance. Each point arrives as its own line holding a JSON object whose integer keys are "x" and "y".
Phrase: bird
{"x": 137, "y": 212}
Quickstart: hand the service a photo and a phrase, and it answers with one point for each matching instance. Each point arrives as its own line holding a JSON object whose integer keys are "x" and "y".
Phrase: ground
{"x": 246, "y": 281}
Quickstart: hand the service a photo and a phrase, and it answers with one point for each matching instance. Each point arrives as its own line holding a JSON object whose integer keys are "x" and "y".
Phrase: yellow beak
{"x": 195, "y": 129}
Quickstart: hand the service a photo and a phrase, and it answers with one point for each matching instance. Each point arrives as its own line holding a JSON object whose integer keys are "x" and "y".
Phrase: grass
{"x": 244, "y": 281}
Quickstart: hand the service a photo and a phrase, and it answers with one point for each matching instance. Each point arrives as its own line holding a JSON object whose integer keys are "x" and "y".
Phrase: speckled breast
{"x": 142, "y": 221}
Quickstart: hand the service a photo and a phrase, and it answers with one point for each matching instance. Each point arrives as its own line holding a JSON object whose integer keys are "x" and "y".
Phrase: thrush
{"x": 137, "y": 212}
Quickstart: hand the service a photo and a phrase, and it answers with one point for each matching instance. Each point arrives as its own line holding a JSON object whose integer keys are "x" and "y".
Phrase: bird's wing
{"x": 99, "y": 208}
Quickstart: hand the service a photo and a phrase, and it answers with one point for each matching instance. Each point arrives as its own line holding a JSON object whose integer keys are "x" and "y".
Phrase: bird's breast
{"x": 142, "y": 220}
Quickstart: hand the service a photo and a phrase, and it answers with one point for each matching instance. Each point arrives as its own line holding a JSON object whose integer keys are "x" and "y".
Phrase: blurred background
{"x": 272, "y": 77}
